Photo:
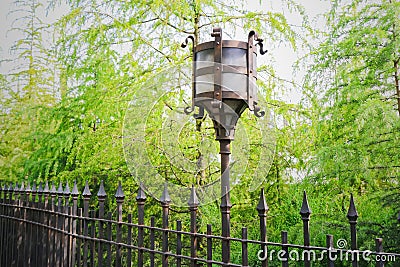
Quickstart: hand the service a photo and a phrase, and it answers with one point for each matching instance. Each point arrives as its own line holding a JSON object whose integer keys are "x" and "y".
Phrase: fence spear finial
{"x": 193, "y": 200}
{"x": 262, "y": 204}
{"x": 352, "y": 214}
{"x": 120, "y": 193}
{"x": 60, "y": 189}
{"x": 67, "y": 191}
{"x": 165, "y": 198}
{"x": 305, "y": 210}
{"x": 86, "y": 191}
{"x": 22, "y": 188}
{"x": 141, "y": 196}
{"x": 102, "y": 192}
{"x": 46, "y": 188}
{"x": 75, "y": 191}
{"x": 40, "y": 188}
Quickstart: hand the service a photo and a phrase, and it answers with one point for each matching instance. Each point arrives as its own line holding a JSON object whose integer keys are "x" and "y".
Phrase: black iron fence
{"x": 46, "y": 227}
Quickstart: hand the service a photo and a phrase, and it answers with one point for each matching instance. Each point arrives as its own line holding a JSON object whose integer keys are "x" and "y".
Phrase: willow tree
{"x": 106, "y": 53}
{"x": 354, "y": 91}
{"x": 28, "y": 87}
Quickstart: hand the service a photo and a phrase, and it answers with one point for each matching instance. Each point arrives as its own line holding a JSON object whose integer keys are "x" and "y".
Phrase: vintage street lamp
{"x": 224, "y": 84}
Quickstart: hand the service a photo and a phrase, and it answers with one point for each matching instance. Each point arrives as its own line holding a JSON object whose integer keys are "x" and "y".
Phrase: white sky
{"x": 284, "y": 57}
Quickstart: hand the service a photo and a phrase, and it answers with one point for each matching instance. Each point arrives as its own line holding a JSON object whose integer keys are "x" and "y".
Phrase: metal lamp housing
{"x": 224, "y": 80}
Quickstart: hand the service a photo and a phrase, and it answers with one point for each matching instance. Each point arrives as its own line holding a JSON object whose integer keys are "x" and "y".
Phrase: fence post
{"x": 193, "y": 207}
{"x": 305, "y": 213}
{"x": 75, "y": 195}
{"x": 329, "y": 246}
{"x": 12, "y": 232}
{"x": 262, "y": 209}
{"x": 40, "y": 246}
{"x": 379, "y": 248}
{"x": 45, "y": 236}
{"x": 209, "y": 245}
{"x": 165, "y": 201}
{"x": 284, "y": 241}
{"x": 101, "y": 197}
{"x": 19, "y": 261}
{"x": 4, "y": 241}
{"x": 352, "y": 215}
{"x": 119, "y": 196}
{"x": 86, "y": 197}
{"x": 60, "y": 226}
{"x": 67, "y": 225}
{"x": 53, "y": 223}
{"x": 245, "y": 253}
{"x": 178, "y": 243}
{"x": 2, "y": 209}
{"x": 140, "y": 199}
{"x": 28, "y": 227}
{"x": 152, "y": 240}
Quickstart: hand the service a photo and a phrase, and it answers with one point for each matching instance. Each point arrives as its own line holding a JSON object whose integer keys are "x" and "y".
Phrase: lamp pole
{"x": 224, "y": 76}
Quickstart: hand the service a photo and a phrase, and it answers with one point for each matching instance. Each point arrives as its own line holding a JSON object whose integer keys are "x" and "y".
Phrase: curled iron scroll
{"x": 259, "y": 42}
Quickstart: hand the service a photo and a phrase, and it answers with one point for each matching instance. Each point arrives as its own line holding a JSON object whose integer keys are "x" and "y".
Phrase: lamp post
{"x": 224, "y": 84}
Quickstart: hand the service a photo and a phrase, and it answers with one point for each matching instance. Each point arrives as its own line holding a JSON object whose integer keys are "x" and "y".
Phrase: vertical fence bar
{"x": 35, "y": 228}
{"x": 178, "y": 243}
{"x": 129, "y": 242}
{"x": 209, "y": 245}
{"x": 60, "y": 226}
{"x": 193, "y": 207}
{"x": 119, "y": 196}
{"x": 41, "y": 248}
{"x": 3, "y": 227}
{"x": 80, "y": 241}
{"x": 101, "y": 197}
{"x": 379, "y": 248}
{"x": 66, "y": 241}
{"x": 330, "y": 254}
{"x": 46, "y": 237}
{"x": 92, "y": 243}
{"x": 86, "y": 197}
{"x": 6, "y": 223}
{"x": 28, "y": 227}
{"x": 245, "y": 253}
{"x": 53, "y": 222}
{"x": 152, "y": 240}
{"x": 140, "y": 200}
{"x": 75, "y": 195}
{"x": 352, "y": 215}
{"x": 284, "y": 241}
{"x": 165, "y": 201}
{"x": 109, "y": 237}
{"x": 305, "y": 213}
{"x": 262, "y": 209}
{"x": 12, "y": 232}
{"x": 20, "y": 225}
{"x": 2, "y": 219}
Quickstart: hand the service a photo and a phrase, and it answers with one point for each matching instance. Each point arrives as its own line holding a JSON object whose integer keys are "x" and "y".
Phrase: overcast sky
{"x": 284, "y": 57}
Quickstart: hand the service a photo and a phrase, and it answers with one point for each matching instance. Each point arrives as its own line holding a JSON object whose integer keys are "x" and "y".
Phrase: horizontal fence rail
{"x": 46, "y": 227}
